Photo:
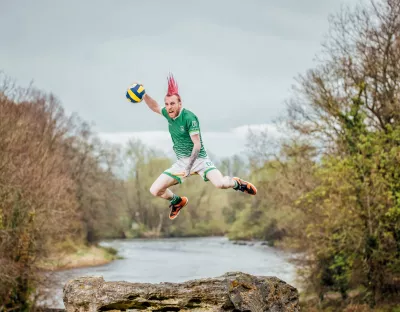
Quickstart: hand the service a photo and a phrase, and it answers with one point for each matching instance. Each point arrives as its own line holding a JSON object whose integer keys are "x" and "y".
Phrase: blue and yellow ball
{"x": 135, "y": 93}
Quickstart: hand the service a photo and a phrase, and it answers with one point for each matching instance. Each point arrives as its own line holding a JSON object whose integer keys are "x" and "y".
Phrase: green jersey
{"x": 180, "y": 129}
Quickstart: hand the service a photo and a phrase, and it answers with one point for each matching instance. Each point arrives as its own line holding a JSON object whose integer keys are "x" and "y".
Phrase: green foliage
{"x": 337, "y": 178}
{"x": 355, "y": 206}
{"x": 248, "y": 225}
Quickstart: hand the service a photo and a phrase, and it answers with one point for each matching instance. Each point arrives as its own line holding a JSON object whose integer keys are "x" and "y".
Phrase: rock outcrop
{"x": 233, "y": 291}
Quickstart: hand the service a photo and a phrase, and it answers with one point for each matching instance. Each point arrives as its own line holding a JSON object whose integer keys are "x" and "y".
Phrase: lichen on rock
{"x": 233, "y": 291}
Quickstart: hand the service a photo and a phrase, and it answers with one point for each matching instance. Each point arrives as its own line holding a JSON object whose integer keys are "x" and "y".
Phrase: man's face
{"x": 173, "y": 105}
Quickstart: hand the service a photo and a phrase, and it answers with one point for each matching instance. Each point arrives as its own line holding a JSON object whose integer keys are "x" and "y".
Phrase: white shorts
{"x": 201, "y": 167}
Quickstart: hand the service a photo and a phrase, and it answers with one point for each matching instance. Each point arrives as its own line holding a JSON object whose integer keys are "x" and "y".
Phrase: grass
{"x": 71, "y": 255}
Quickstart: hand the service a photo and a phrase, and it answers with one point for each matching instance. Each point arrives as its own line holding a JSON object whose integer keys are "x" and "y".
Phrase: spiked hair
{"x": 172, "y": 86}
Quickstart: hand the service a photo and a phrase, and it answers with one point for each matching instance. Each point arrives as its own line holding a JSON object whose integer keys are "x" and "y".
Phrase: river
{"x": 182, "y": 259}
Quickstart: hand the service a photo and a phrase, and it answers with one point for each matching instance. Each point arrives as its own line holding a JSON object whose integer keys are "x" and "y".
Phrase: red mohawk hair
{"x": 172, "y": 86}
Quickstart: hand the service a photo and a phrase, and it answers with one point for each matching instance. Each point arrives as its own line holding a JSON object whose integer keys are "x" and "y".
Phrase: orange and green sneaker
{"x": 245, "y": 186}
{"x": 175, "y": 209}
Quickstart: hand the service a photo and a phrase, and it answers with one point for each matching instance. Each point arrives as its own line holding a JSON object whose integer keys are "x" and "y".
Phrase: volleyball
{"x": 135, "y": 93}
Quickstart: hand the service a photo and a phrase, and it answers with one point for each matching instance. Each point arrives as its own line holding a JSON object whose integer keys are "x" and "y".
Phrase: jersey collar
{"x": 180, "y": 112}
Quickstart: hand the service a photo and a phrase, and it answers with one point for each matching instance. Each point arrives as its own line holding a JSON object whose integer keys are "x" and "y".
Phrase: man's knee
{"x": 156, "y": 191}
{"x": 221, "y": 183}
{"x": 218, "y": 180}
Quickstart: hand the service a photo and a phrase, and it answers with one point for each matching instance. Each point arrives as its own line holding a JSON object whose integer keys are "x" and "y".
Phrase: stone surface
{"x": 234, "y": 291}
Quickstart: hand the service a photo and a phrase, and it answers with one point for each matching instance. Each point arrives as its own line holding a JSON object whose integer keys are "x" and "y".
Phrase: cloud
{"x": 219, "y": 143}
{"x": 270, "y": 129}
{"x": 233, "y": 68}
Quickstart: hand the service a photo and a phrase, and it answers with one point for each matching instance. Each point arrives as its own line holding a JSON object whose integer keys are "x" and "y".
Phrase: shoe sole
{"x": 248, "y": 185}
{"x": 253, "y": 188}
{"x": 174, "y": 217}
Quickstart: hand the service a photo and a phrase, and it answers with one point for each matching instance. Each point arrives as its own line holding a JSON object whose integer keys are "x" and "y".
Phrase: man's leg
{"x": 219, "y": 181}
{"x": 224, "y": 182}
{"x": 160, "y": 188}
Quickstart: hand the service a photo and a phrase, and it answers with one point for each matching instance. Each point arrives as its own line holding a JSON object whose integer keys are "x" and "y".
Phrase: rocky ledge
{"x": 233, "y": 291}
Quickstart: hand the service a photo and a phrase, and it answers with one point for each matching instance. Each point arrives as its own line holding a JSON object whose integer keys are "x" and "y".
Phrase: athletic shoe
{"x": 245, "y": 186}
{"x": 175, "y": 209}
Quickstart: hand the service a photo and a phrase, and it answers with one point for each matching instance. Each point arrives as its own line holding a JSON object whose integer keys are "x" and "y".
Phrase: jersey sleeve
{"x": 193, "y": 125}
{"x": 164, "y": 112}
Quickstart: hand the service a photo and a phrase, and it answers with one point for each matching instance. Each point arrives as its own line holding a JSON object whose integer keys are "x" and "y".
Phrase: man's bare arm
{"x": 195, "y": 152}
{"x": 152, "y": 104}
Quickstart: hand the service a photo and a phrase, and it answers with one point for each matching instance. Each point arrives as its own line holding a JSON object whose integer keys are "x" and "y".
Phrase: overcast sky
{"x": 234, "y": 60}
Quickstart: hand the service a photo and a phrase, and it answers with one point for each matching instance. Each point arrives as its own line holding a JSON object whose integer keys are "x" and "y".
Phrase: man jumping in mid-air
{"x": 192, "y": 157}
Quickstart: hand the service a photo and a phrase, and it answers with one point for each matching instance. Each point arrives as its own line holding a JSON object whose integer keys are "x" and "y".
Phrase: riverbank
{"x": 79, "y": 257}
{"x": 178, "y": 260}
{"x": 183, "y": 259}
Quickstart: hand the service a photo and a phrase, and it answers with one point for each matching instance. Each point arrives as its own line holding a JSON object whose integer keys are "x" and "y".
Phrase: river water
{"x": 182, "y": 259}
